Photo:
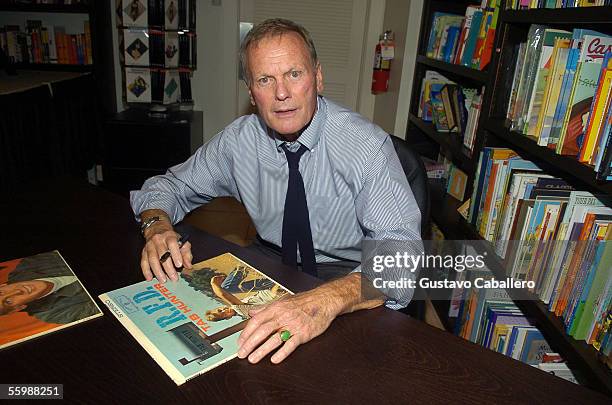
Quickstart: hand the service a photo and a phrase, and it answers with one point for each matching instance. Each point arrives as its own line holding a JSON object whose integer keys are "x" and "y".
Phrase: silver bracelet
{"x": 147, "y": 223}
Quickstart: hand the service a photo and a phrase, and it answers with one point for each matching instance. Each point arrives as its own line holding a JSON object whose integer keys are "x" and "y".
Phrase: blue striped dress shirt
{"x": 354, "y": 182}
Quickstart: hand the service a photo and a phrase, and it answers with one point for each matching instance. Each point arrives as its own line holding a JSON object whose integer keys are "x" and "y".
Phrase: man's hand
{"x": 161, "y": 238}
{"x": 305, "y": 315}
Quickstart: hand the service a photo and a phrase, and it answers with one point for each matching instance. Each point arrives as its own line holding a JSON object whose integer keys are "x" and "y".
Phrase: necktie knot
{"x": 293, "y": 158}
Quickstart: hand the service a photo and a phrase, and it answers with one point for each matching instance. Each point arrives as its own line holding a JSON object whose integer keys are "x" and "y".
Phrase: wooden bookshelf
{"x": 565, "y": 166}
{"x": 493, "y": 131}
{"x": 47, "y": 8}
{"x": 477, "y": 76}
{"x": 55, "y": 67}
{"x": 577, "y": 15}
{"x": 450, "y": 142}
{"x": 581, "y": 356}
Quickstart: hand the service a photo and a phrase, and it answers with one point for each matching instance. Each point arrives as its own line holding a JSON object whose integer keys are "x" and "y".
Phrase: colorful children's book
{"x": 40, "y": 294}
{"x": 192, "y": 325}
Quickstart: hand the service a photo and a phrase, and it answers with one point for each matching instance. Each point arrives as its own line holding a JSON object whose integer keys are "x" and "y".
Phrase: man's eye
{"x": 295, "y": 74}
{"x": 263, "y": 81}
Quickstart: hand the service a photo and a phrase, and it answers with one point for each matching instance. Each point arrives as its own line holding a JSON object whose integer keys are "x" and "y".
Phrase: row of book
{"x": 161, "y": 14}
{"x": 465, "y": 40}
{"x": 450, "y": 107}
{"x": 54, "y": 2}
{"x": 488, "y": 317}
{"x": 547, "y": 232}
{"x": 159, "y": 49}
{"x": 46, "y": 44}
{"x": 561, "y": 93}
{"x": 160, "y": 86}
{"x": 530, "y": 4}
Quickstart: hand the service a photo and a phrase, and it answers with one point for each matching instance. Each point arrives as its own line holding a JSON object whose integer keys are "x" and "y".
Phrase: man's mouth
{"x": 286, "y": 112}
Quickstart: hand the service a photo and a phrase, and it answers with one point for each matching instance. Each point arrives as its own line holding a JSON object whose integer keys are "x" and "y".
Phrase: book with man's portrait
{"x": 192, "y": 325}
{"x": 40, "y": 294}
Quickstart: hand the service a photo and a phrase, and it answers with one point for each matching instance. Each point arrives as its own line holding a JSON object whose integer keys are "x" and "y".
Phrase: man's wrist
{"x": 152, "y": 220}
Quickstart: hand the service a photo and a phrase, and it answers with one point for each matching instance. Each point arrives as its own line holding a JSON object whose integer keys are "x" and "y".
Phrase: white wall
{"x": 214, "y": 84}
{"x": 391, "y": 108}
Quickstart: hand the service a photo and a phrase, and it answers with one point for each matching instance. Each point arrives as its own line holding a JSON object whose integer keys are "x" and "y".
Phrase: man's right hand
{"x": 161, "y": 238}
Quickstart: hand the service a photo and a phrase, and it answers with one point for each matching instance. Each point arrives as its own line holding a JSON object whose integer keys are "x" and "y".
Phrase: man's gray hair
{"x": 270, "y": 28}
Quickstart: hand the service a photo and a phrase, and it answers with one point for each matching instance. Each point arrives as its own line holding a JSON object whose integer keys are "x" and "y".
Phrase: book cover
{"x": 40, "y": 294}
{"x": 136, "y": 47}
{"x": 171, "y": 14}
{"x": 581, "y": 97}
{"x": 135, "y": 13}
{"x": 138, "y": 85}
{"x": 598, "y": 110}
{"x": 191, "y": 326}
{"x": 171, "y": 50}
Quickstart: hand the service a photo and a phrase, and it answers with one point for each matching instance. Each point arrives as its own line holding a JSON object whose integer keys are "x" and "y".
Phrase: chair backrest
{"x": 415, "y": 171}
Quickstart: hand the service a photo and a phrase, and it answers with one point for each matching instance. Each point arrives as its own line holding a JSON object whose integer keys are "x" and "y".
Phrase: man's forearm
{"x": 351, "y": 293}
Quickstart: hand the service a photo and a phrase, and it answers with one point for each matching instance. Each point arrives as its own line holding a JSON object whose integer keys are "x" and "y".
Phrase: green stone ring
{"x": 285, "y": 335}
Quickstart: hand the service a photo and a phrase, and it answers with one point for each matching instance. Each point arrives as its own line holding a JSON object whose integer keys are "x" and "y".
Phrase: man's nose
{"x": 282, "y": 90}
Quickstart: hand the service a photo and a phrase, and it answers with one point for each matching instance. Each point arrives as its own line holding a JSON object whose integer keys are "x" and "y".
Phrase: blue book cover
{"x": 192, "y": 325}
{"x": 534, "y": 348}
{"x": 470, "y": 43}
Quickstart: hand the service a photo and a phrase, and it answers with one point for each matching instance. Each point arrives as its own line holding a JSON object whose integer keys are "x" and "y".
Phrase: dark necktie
{"x": 296, "y": 223}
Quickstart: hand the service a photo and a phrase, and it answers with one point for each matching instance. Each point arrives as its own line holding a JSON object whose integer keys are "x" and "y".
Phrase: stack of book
{"x": 465, "y": 40}
{"x": 529, "y": 4}
{"x": 561, "y": 94}
{"x": 450, "y": 107}
{"x": 46, "y": 44}
{"x": 547, "y": 232}
{"x": 488, "y": 317}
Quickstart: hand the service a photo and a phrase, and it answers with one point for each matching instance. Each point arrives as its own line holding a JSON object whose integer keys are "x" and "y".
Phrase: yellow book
{"x": 598, "y": 116}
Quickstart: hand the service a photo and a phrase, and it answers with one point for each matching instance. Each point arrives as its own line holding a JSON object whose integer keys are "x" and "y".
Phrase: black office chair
{"x": 415, "y": 171}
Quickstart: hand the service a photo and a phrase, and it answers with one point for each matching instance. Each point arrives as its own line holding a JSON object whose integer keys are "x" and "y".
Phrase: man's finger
{"x": 288, "y": 348}
{"x": 253, "y": 324}
{"x": 153, "y": 257}
{"x": 256, "y": 338}
{"x": 144, "y": 265}
{"x": 262, "y": 351}
{"x": 187, "y": 256}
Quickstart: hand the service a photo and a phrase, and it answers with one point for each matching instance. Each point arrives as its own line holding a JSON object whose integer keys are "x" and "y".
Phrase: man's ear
{"x": 251, "y": 98}
{"x": 319, "y": 77}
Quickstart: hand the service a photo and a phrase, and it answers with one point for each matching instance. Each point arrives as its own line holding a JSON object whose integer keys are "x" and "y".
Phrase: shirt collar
{"x": 310, "y": 136}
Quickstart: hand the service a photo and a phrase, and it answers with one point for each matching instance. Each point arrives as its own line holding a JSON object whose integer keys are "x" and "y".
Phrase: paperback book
{"x": 191, "y": 326}
{"x": 40, "y": 294}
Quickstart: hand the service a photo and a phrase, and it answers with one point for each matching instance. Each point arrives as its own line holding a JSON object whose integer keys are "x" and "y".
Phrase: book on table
{"x": 192, "y": 325}
{"x": 40, "y": 294}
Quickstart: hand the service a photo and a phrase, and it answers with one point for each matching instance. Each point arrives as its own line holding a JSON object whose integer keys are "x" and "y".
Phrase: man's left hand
{"x": 305, "y": 315}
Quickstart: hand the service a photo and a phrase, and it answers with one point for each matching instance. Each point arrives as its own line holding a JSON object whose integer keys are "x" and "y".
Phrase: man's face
{"x": 16, "y": 296}
{"x": 284, "y": 83}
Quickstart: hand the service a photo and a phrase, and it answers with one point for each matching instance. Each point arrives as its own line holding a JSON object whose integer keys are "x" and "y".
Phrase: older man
{"x": 315, "y": 178}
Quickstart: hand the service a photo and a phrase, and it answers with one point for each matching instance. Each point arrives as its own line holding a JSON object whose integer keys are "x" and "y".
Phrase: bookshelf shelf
{"x": 46, "y": 8}
{"x": 474, "y": 75}
{"x": 578, "y": 15}
{"x": 569, "y": 167}
{"x": 55, "y": 66}
{"x": 450, "y": 142}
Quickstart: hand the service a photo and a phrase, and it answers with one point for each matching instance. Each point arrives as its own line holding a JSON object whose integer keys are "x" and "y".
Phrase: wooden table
{"x": 377, "y": 356}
